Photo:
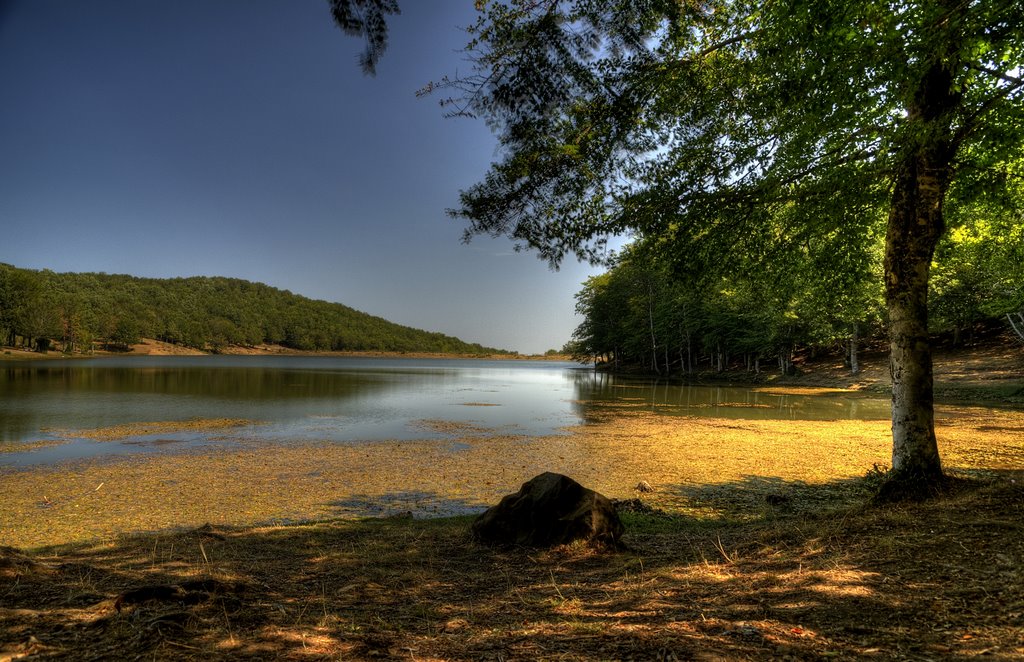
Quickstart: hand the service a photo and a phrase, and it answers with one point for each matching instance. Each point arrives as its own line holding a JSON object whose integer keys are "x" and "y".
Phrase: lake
{"x": 289, "y": 399}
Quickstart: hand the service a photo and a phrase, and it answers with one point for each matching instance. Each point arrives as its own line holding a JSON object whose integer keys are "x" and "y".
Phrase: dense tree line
{"x": 650, "y": 313}
{"x": 77, "y": 310}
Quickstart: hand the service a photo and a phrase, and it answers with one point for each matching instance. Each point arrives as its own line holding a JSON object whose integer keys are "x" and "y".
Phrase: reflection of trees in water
{"x": 74, "y": 396}
{"x": 243, "y": 383}
{"x": 15, "y": 426}
{"x": 599, "y": 393}
{"x": 95, "y": 394}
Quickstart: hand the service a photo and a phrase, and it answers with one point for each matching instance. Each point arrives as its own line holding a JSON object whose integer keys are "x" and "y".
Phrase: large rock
{"x": 550, "y": 509}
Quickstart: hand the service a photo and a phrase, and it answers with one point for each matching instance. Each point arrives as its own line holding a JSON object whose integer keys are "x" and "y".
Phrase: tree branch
{"x": 1017, "y": 82}
{"x": 971, "y": 122}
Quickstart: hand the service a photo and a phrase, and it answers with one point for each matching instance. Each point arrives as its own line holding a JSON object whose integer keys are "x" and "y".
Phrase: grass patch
{"x": 700, "y": 468}
{"x": 933, "y": 580}
{"x": 21, "y": 447}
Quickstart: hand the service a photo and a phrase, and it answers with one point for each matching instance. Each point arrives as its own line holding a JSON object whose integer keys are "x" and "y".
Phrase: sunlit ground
{"x": 705, "y": 467}
{"x": 728, "y": 573}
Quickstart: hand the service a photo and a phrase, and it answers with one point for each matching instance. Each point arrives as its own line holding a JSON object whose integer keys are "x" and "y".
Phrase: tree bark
{"x": 650, "y": 319}
{"x": 915, "y": 226}
{"x": 854, "y": 340}
{"x": 924, "y": 170}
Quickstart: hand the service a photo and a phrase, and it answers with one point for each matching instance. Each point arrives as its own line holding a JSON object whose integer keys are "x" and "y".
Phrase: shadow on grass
{"x": 419, "y": 504}
{"x": 939, "y": 579}
{"x": 761, "y": 496}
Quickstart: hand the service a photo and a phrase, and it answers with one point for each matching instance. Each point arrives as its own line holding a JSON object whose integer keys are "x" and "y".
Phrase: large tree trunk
{"x": 915, "y": 226}
{"x": 922, "y": 178}
{"x": 1017, "y": 322}
{"x": 915, "y": 223}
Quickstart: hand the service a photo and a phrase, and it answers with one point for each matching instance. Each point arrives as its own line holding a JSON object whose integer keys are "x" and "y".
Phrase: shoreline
{"x": 990, "y": 372}
{"x": 150, "y": 347}
{"x": 468, "y": 469}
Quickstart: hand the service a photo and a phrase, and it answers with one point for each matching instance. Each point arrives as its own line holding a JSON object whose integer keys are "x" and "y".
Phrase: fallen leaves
{"x": 702, "y": 467}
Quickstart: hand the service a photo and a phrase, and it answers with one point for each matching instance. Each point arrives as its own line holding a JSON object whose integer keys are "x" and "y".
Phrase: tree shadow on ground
{"x": 753, "y": 497}
{"x": 411, "y": 503}
{"x": 938, "y": 579}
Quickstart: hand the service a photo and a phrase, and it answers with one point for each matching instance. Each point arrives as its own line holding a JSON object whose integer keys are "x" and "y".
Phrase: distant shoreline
{"x": 150, "y": 347}
{"x": 990, "y": 372}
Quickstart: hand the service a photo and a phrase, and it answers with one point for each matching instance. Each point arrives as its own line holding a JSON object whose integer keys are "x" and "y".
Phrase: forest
{"x": 653, "y": 314}
{"x": 39, "y": 309}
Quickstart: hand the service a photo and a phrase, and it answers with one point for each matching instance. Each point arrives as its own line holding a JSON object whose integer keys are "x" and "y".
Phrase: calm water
{"x": 344, "y": 399}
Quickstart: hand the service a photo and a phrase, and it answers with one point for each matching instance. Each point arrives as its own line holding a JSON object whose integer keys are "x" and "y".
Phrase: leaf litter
{"x": 754, "y": 544}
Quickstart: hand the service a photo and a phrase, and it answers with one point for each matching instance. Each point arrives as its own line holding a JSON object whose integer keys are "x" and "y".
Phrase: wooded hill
{"x": 40, "y": 307}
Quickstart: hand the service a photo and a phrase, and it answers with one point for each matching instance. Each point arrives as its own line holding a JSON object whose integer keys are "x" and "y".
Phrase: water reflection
{"x": 348, "y": 399}
{"x": 295, "y": 398}
{"x": 601, "y": 392}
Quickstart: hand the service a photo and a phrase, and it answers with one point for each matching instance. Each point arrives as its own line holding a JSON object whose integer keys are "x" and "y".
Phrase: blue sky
{"x": 240, "y": 138}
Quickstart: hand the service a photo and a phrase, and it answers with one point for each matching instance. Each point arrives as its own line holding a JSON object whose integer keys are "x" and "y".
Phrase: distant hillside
{"x": 38, "y": 308}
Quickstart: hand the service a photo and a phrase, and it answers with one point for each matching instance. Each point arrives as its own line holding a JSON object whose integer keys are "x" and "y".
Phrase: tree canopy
{"x": 643, "y": 315}
{"x": 729, "y": 128}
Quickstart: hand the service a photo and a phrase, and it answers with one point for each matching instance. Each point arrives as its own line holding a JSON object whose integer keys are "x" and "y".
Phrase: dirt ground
{"x": 757, "y": 543}
{"x": 990, "y": 370}
{"x": 940, "y": 580}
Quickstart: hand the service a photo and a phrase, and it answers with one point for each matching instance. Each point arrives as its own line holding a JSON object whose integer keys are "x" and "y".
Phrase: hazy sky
{"x": 240, "y": 138}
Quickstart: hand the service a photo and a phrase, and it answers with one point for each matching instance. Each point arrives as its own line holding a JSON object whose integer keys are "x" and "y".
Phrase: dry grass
{"x": 764, "y": 549}
{"x": 473, "y": 468}
{"x": 939, "y": 580}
